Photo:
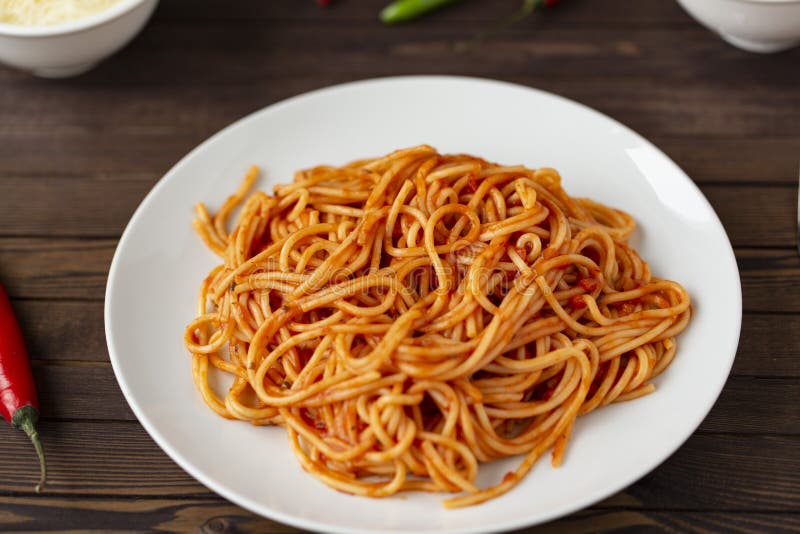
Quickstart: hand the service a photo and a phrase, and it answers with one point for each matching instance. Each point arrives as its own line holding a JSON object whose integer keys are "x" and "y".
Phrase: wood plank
{"x": 90, "y": 154}
{"x": 164, "y": 121}
{"x": 365, "y": 13}
{"x": 77, "y": 269}
{"x": 76, "y": 156}
{"x": 765, "y": 349}
{"x": 669, "y": 86}
{"x": 59, "y": 331}
{"x": 592, "y": 520}
{"x": 614, "y": 12}
{"x": 81, "y": 391}
{"x": 753, "y": 160}
{"x": 710, "y": 472}
{"x": 89, "y": 391}
{"x": 214, "y": 514}
{"x": 84, "y": 153}
{"x": 66, "y": 331}
{"x": 756, "y": 405}
{"x": 726, "y": 472}
{"x": 754, "y": 216}
{"x": 93, "y": 458}
{"x": 52, "y": 514}
{"x": 61, "y": 269}
{"x": 476, "y": 14}
{"x": 57, "y": 206}
{"x": 770, "y": 280}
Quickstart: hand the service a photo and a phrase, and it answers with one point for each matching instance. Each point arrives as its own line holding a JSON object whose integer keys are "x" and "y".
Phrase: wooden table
{"x": 77, "y": 156}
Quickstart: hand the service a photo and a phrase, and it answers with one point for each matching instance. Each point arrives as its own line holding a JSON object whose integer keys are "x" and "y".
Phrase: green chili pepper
{"x": 403, "y": 10}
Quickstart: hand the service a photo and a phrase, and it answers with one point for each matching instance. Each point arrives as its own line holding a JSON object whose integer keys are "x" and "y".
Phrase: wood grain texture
{"x": 81, "y": 391}
{"x": 770, "y": 280}
{"x": 93, "y": 458}
{"x": 69, "y": 268}
{"x": 68, "y": 331}
{"x": 77, "y": 156}
{"x": 747, "y": 405}
{"x": 46, "y": 268}
{"x": 87, "y": 207}
{"x": 591, "y": 521}
{"x": 214, "y": 515}
{"x": 755, "y": 160}
{"x": 764, "y": 351}
{"x": 765, "y": 207}
{"x": 206, "y": 516}
{"x": 669, "y": 87}
{"x": 756, "y": 405}
{"x": 709, "y": 473}
{"x": 63, "y": 330}
{"x": 91, "y": 155}
{"x": 99, "y": 207}
{"x": 615, "y": 13}
{"x": 183, "y": 99}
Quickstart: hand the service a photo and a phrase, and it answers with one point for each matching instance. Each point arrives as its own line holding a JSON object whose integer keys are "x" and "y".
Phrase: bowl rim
{"x": 73, "y": 26}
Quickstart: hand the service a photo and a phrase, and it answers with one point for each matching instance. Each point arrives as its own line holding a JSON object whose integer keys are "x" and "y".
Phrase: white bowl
{"x": 71, "y": 48}
{"x": 761, "y": 26}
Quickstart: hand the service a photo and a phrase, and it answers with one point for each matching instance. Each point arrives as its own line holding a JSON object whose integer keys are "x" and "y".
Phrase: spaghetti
{"x": 408, "y": 317}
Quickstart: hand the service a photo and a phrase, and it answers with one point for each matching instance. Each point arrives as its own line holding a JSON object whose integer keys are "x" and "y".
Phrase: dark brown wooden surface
{"x": 77, "y": 156}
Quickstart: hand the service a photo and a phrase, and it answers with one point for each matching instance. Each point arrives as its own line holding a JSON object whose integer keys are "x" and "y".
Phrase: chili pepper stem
{"x": 527, "y": 8}
{"x": 25, "y": 419}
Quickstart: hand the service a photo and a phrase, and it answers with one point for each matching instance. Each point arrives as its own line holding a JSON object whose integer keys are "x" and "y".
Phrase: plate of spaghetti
{"x": 422, "y": 304}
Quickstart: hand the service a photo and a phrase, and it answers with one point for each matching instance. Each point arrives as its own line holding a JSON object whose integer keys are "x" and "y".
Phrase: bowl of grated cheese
{"x": 761, "y": 26}
{"x": 63, "y": 38}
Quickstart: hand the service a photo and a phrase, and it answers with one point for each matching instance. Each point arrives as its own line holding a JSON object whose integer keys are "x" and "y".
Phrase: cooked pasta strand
{"x": 408, "y": 317}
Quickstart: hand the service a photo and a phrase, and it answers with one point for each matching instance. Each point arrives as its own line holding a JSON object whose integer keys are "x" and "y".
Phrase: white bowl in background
{"x": 71, "y": 48}
{"x": 761, "y": 26}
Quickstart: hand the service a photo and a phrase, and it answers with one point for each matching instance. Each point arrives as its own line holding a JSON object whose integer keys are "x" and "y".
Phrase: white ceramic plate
{"x": 160, "y": 262}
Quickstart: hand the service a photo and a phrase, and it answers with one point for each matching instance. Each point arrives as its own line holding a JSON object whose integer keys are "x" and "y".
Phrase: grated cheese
{"x": 48, "y": 12}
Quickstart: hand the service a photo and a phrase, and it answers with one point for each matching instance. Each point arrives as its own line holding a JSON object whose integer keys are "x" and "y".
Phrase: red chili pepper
{"x": 18, "y": 403}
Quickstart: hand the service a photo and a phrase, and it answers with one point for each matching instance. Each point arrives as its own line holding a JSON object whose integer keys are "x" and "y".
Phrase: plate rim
{"x": 579, "y": 503}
